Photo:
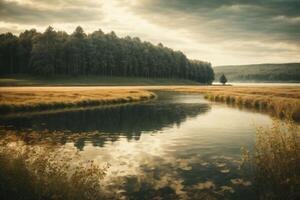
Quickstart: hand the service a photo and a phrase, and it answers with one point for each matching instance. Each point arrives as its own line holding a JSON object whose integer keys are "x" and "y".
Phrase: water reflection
{"x": 178, "y": 147}
{"x": 129, "y": 120}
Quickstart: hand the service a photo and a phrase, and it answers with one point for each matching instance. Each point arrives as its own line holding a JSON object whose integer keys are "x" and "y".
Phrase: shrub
{"x": 45, "y": 172}
{"x": 275, "y": 162}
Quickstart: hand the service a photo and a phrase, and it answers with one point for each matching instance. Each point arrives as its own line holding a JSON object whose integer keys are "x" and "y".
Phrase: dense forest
{"x": 287, "y": 72}
{"x": 59, "y": 53}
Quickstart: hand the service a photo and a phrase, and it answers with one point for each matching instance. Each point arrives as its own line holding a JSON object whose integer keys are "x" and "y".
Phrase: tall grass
{"x": 275, "y": 162}
{"x": 37, "y": 99}
{"x": 282, "y": 102}
{"x": 277, "y": 106}
{"x": 46, "y": 172}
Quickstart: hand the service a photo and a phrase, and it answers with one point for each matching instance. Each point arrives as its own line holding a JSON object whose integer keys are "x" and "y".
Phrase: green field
{"x": 287, "y": 72}
{"x": 25, "y": 80}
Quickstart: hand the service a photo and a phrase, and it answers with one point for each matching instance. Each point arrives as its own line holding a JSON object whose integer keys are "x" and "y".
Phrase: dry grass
{"x": 283, "y": 102}
{"x": 46, "y": 172}
{"x": 44, "y": 98}
{"x": 275, "y": 163}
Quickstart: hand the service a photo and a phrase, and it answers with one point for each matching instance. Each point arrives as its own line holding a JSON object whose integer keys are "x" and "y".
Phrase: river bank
{"x": 48, "y": 98}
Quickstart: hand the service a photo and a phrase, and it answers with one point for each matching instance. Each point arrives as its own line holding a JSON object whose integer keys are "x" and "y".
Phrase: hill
{"x": 286, "y": 72}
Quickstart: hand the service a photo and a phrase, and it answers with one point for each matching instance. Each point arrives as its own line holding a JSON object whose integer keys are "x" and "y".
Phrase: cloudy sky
{"x": 219, "y": 31}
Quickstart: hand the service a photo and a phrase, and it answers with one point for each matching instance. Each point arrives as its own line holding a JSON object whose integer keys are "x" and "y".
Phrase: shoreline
{"x": 16, "y": 100}
{"x": 280, "y": 101}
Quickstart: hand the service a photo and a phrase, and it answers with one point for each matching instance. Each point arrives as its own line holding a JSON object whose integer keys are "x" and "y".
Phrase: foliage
{"x": 46, "y": 172}
{"x": 288, "y": 72}
{"x": 223, "y": 79}
{"x": 58, "y": 53}
{"x": 275, "y": 163}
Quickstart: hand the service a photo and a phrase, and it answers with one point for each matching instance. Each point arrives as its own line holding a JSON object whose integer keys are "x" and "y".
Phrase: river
{"x": 177, "y": 146}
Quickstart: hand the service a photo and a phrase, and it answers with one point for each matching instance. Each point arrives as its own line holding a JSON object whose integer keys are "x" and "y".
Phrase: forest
{"x": 105, "y": 54}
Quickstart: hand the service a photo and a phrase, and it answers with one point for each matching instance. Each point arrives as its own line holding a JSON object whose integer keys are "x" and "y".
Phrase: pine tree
{"x": 223, "y": 79}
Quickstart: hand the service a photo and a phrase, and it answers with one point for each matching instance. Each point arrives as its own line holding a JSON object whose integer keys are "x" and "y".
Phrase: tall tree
{"x": 77, "y": 54}
{"x": 52, "y": 52}
{"x": 43, "y": 55}
{"x": 25, "y": 48}
{"x": 8, "y": 53}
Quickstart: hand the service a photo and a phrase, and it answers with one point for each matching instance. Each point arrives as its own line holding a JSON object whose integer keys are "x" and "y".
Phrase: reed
{"x": 275, "y": 162}
{"x": 277, "y": 106}
{"x": 47, "y": 172}
{"x": 282, "y": 102}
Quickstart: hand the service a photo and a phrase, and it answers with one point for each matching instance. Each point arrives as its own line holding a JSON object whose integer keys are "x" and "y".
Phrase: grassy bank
{"x": 283, "y": 102}
{"x": 280, "y": 101}
{"x": 25, "y": 80}
{"x": 14, "y": 99}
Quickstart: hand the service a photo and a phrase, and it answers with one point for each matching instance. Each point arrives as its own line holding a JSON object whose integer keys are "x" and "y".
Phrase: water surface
{"x": 179, "y": 146}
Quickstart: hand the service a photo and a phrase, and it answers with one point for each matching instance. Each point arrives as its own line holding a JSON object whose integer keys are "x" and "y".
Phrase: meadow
{"x": 13, "y": 99}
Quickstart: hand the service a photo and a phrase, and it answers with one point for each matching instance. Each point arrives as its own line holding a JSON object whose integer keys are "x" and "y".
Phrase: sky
{"x": 222, "y": 32}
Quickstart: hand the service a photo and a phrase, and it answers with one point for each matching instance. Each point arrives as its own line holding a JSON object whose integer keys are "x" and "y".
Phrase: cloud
{"x": 42, "y": 12}
{"x": 227, "y": 19}
{"x": 222, "y": 32}
{"x": 241, "y": 28}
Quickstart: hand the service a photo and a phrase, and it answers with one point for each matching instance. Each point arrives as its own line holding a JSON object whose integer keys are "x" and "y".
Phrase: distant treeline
{"x": 287, "y": 72}
{"x": 58, "y": 53}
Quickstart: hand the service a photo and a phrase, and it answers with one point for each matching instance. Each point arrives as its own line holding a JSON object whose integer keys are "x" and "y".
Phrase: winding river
{"x": 179, "y": 146}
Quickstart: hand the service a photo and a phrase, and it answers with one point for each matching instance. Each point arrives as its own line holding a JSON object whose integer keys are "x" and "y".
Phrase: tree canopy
{"x": 58, "y": 53}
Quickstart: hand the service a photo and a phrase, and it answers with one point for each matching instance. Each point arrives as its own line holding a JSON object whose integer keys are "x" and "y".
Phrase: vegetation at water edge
{"x": 31, "y": 172}
{"x": 37, "y": 99}
{"x": 282, "y": 102}
{"x": 275, "y": 162}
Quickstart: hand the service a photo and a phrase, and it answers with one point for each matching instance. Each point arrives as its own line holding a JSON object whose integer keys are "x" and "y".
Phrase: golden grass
{"x": 44, "y": 98}
{"x": 47, "y": 172}
{"x": 283, "y": 102}
{"x": 275, "y": 163}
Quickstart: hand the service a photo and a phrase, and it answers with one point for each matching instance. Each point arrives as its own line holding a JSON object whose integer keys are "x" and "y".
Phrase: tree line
{"x": 59, "y": 53}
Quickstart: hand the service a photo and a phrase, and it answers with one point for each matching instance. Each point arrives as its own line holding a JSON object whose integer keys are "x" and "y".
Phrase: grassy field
{"x": 13, "y": 99}
{"x": 23, "y": 80}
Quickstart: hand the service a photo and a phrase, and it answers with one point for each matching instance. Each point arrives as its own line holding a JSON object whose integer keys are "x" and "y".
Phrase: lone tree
{"x": 223, "y": 79}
